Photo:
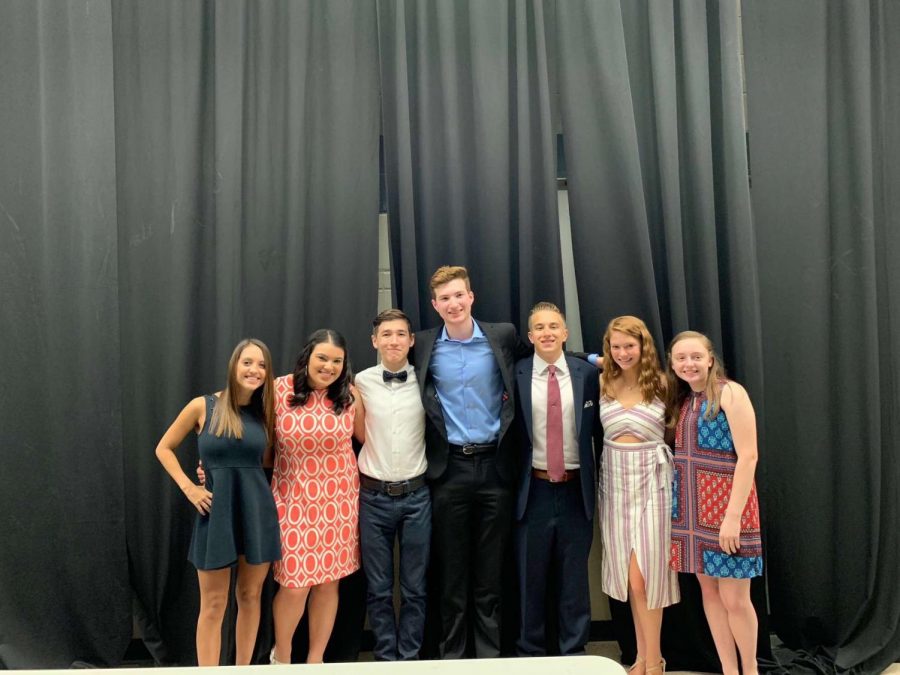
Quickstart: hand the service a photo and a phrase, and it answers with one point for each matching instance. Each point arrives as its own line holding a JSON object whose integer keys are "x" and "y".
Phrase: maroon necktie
{"x": 556, "y": 466}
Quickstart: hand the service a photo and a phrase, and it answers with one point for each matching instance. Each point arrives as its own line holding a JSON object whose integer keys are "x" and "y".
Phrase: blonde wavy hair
{"x": 649, "y": 373}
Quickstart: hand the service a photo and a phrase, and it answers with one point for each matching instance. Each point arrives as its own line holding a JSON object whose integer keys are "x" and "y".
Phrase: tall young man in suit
{"x": 465, "y": 372}
{"x": 559, "y": 420}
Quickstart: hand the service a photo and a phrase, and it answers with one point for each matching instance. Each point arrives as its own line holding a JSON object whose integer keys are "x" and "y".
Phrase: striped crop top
{"x": 646, "y": 421}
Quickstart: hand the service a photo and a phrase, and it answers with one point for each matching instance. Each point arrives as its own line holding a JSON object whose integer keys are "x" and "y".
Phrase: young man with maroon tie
{"x": 558, "y": 405}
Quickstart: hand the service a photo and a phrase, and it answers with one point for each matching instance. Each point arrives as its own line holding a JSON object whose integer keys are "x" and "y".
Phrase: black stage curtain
{"x": 651, "y": 106}
{"x": 469, "y": 153}
{"x": 247, "y": 154}
{"x": 823, "y": 91}
{"x": 163, "y": 163}
{"x": 176, "y": 176}
{"x": 63, "y": 570}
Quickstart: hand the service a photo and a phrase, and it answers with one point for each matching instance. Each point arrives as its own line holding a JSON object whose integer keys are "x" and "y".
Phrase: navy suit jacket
{"x": 507, "y": 347}
{"x": 589, "y": 434}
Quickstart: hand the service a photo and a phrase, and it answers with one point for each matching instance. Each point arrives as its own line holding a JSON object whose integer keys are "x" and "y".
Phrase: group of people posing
{"x": 486, "y": 441}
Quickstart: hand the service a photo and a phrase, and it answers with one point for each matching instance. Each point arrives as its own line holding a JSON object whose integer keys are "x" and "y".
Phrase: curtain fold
{"x": 469, "y": 153}
{"x": 63, "y": 575}
{"x": 823, "y": 96}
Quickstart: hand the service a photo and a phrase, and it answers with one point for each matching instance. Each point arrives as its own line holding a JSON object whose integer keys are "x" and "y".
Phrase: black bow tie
{"x": 388, "y": 376}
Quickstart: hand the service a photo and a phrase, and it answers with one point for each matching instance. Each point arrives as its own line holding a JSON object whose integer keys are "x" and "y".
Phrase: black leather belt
{"x": 392, "y": 488}
{"x": 473, "y": 448}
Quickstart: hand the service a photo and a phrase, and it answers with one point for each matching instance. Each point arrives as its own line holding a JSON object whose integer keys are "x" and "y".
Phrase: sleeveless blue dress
{"x": 242, "y": 520}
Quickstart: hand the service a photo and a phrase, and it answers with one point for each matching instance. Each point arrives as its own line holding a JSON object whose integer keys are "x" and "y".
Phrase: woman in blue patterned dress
{"x": 715, "y": 524}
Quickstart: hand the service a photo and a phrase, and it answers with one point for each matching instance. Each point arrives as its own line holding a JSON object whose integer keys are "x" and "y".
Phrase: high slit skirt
{"x": 636, "y": 515}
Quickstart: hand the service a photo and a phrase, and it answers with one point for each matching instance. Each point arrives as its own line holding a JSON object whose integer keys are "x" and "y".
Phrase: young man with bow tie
{"x": 559, "y": 427}
{"x": 394, "y": 501}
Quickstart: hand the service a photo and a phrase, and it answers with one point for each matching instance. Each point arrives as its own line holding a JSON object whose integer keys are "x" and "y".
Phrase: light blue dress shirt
{"x": 469, "y": 386}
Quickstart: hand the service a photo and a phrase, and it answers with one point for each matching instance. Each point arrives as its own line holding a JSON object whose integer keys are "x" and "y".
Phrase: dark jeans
{"x": 554, "y": 536}
{"x": 472, "y": 523}
{"x": 381, "y": 519}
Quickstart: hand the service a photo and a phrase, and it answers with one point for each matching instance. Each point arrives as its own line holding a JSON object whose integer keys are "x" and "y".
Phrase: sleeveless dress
{"x": 242, "y": 519}
{"x": 316, "y": 488}
{"x": 704, "y": 470}
{"x": 636, "y": 501}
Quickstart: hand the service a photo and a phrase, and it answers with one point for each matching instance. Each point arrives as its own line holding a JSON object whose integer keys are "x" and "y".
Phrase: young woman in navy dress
{"x": 237, "y": 524}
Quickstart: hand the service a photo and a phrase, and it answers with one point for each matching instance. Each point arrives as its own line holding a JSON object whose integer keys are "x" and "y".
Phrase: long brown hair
{"x": 226, "y": 416}
{"x": 649, "y": 370}
{"x": 680, "y": 390}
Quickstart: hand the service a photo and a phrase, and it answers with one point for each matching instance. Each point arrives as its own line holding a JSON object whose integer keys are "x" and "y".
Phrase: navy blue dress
{"x": 242, "y": 520}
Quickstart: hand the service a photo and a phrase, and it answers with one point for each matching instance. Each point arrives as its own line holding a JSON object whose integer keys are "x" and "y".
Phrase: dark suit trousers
{"x": 471, "y": 523}
{"x": 554, "y": 537}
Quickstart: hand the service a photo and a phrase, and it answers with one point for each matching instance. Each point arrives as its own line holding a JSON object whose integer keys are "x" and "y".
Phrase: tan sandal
{"x": 661, "y": 667}
{"x": 273, "y": 660}
{"x": 638, "y": 661}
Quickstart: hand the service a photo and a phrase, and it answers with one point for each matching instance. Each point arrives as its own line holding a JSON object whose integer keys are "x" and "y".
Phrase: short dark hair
{"x": 390, "y": 315}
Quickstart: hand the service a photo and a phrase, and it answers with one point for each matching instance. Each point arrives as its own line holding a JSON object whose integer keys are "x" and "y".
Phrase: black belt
{"x": 473, "y": 448}
{"x": 396, "y": 488}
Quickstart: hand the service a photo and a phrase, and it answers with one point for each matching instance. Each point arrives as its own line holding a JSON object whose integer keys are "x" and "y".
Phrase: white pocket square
{"x": 588, "y": 404}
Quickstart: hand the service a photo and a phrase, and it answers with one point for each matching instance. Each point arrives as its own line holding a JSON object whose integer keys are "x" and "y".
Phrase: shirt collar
{"x": 540, "y": 366}
{"x": 477, "y": 333}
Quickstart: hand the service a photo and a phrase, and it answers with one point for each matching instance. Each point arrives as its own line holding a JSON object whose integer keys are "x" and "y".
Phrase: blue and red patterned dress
{"x": 704, "y": 470}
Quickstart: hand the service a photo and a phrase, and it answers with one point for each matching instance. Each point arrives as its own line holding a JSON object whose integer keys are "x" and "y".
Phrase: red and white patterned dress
{"x": 316, "y": 488}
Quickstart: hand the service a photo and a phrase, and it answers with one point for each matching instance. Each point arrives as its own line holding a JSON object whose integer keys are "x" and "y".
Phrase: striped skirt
{"x": 635, "y": 515}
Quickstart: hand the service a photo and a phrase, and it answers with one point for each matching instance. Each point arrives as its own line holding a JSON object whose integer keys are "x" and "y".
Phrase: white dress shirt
{"x": 395, "y": 426}
{"x": 540, "y": 375}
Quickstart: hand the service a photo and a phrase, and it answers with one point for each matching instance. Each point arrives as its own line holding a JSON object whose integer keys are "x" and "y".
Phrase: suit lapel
{"x": 497, "y": 348}
{"x": 577, "y": 393}
{"x": 423, "y": 349}
{"x": 523, "y": 379}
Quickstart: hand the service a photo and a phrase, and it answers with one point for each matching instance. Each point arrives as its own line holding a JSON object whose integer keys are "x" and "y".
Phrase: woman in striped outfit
{"x": 636, "y": 485}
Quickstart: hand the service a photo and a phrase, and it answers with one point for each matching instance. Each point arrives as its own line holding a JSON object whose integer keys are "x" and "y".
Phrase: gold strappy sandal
{"x": 661, "y": 667}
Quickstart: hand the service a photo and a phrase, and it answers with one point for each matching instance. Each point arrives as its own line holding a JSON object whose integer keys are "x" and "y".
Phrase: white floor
{"x": 611, "y": 651}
